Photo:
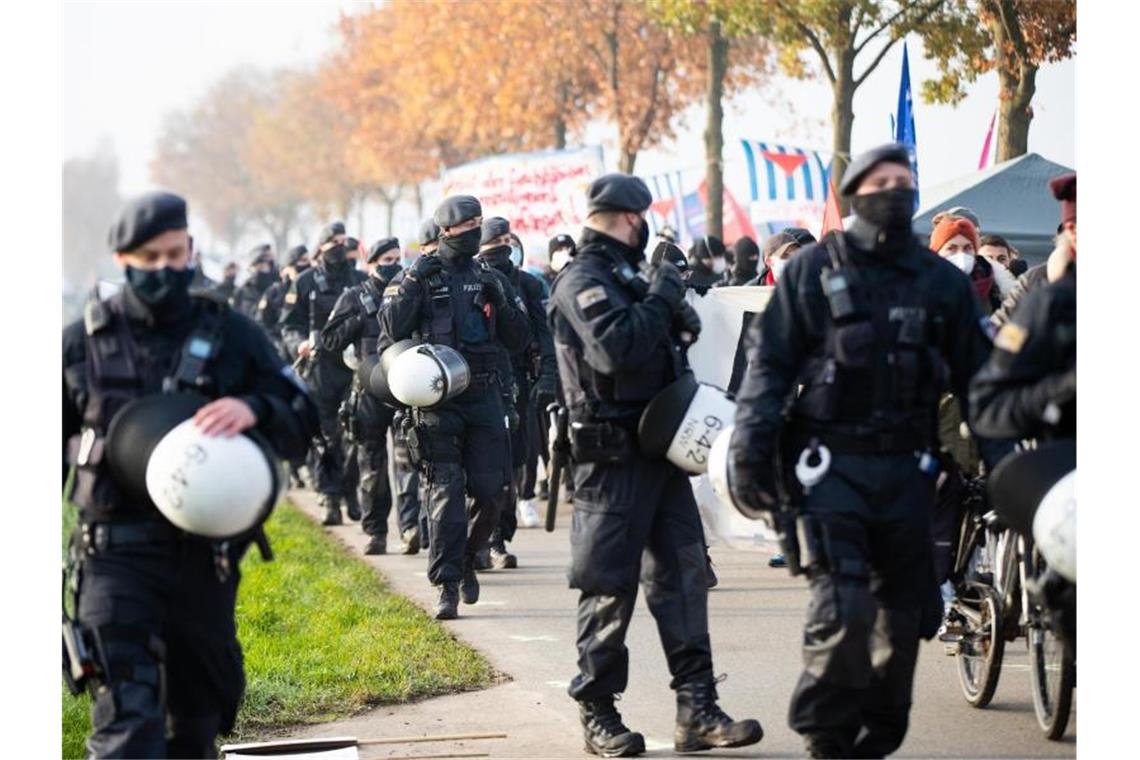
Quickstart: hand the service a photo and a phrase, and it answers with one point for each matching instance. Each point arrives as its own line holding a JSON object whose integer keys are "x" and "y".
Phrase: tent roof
{"x": 1011, "y": 199}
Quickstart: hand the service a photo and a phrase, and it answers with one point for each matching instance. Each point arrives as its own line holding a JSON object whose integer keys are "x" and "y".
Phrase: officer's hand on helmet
{"x": 665, "y": 283}
{"x": 753, "y": 486}
{"x": 225, "y": 416}
{"x": 688, "y": 321}
{"x": 425, "y": 266}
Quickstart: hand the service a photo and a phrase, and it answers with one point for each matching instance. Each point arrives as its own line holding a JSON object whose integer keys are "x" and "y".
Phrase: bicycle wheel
{"x": 982, "y": 646}
{"x": 1052, "y": 668}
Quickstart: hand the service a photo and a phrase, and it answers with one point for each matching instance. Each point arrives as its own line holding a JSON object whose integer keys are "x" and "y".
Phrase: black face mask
{"x": 642, "y": 236}
{"x": 386, "y": 272}
{"x": 887, "y": 209}
{"x": 460, "y": 247}
{"x": 263, "y": 280}
{"x": 745, "y": 267}
{"x": 498, "y": 257}
{"x": 163, "y": 290}
{"x": 335, "y": 257}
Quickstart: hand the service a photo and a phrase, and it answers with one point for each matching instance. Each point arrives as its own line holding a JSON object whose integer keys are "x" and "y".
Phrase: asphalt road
{"x": 525, "y": 623}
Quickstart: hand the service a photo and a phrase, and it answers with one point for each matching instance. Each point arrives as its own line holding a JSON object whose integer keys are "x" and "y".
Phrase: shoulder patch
{"x": 593, "y": 301}
{"x": 1011, "y": 338}
{"x": 392, "y": 290}
{"x": 291, "y": 297}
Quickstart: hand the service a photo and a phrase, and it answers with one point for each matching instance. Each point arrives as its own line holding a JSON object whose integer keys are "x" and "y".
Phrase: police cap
{"x": 260, "y": 253}
{"x": 329, "y": 231}
{"x": 562, "y": 241}
{"x": 457, "y": 209}
{"x": 429, "y": 232}
{"x": 144, "y": 218}
{"x": 295, "y": 253}
{"x": 618, "y": 192}
{"x": 895, "y": 153}
{"x": 493, "y": 227}
{"x": 382, "y": 246}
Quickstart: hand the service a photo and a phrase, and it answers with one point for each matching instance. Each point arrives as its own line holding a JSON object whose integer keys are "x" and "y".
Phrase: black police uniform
{"x": 534, "y": 372}
{"x": 308, "y": 304}
{"x": 356, "y": 321}
{"x": 463, "y": 445}
{"x": 901, "y": 323}
{"x": 226, "y": 289}
{"x": 249, "y": 295}
{"x": 269, "y": 315}
{"x": 160, "y": 602}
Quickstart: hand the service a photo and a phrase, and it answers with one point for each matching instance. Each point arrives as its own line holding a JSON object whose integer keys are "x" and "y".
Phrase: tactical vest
{"x": 879, "y": 370}
{"x": 114, "y": 379}
{"x": 458, "y": 314}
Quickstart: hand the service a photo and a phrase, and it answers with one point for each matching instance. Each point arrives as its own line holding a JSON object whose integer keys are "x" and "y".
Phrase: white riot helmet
{"x": 428, "y": 375}
{"x": 351, "y": 360}
{"x": 718, "y": 477}
{"x": 206, "y": 485}
{"x": 683, "y": 421}
{"x": 1055, "y": 527}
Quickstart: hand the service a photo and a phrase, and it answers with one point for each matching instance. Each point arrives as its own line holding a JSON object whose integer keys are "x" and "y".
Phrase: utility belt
{"x": 603, "y": 441}
{"x": 891, "y": 441}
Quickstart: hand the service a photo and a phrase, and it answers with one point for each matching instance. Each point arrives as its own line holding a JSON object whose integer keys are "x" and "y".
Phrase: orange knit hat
{"x": 950, "y": 227}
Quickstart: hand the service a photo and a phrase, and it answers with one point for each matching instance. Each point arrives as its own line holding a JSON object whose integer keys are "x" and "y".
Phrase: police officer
{"x": 159, "y": 603}
{"x": 532, "y": 369}
{"x": 1028, "y": 388}
{"x": 872, "y": 324}
{"x": 272, "y": 301}
{"x": 445, "y": 298}
{"x": 355, "y": 323}
{"x": 308, "y": 303}
{"x": 263, "y": 274}
{"x": 616, "y": 349}
{"x": 228, "y": 286}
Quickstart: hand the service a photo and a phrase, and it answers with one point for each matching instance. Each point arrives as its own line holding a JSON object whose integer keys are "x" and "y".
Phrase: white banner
{"x": 722, "y": 313}
{"x": 542, "y": 194}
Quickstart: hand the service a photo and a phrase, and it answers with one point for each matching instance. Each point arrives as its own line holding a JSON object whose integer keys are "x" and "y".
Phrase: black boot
{"x": 824, "y": 745}
{"x": 605, "y": 734}
{"x": 377, "y": 545}
{"x": 482, "y": 559}
{"x": 410, "y": 541}
{"x": 447, "y": 608}
{"x": 710, "y": 576}
{"x": 701, "y": 724}
{"x": 332, "y": 510}
{"x": 469, "y": 586}
{"x": 352, "y": 506}
{"x": 501, "y": 559}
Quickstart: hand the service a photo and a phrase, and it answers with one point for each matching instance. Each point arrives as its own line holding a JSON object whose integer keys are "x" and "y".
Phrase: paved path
{"x": 524, "y": 623}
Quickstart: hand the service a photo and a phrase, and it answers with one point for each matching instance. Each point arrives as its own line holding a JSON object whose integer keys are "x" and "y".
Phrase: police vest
{"x": 879, "y": 369}
{"x": 458, "y": 314}
{"x": 114, "y": 378}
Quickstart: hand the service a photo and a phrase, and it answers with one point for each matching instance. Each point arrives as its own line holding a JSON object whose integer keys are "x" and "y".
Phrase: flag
{"x": 984, "y": 161}
{"x": 904, "y": 123}
{"x": 832, "y": 216}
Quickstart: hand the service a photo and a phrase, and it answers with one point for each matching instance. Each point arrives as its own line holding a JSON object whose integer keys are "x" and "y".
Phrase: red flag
{"x": 832, "y": 217}
{"x": 735, "y": 224}
{"x": 984, "y": 161}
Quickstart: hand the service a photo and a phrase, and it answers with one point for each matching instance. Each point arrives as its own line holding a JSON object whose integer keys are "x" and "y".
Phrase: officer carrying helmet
{"x": 873, "y": 325}
{"x": 462, "y": 446}
{"x": 615, "y": 336}
{"x": 154, "y": 630}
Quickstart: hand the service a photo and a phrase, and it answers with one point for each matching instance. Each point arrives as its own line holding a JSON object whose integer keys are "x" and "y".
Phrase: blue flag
{"x": 904, "y": 121}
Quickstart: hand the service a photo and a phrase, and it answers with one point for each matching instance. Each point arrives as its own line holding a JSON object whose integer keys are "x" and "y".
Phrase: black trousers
{"x": 470, "y": 449}
{"x": 405, "y": 480}
{"x": 166, "y": 627}
{"x": 637, "y": 520}
{"x": 329, "y": 391}
{"x": 871, "y": 601}
{"x": 370, "y": 420}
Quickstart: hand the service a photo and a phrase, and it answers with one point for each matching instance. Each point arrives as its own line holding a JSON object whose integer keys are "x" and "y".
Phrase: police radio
{"x": 835, "y": 281}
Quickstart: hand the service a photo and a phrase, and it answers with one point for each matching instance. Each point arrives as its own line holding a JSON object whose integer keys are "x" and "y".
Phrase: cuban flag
{"x": 787, "y": 186}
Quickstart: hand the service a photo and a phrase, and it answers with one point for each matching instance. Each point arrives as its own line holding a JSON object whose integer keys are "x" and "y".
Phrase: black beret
{"x": 745, "y": 248}
{"x": 618, "y": 192}
{"x": 707, "y": 247}
{"x": 562, "y": 241}
{"x": 457, "y": 209}
{"x": 895, "y": 153}
{"x": 144, "y": 218}
{"x": 329, "y": 231}
{"x": 800, "y": 235}
{"x": 429, "y": 232}
{"x": 295, "y": 253}
{"x": 260, "y": 253}
{"x": 493, "y": 227}
{"x": 380, "y": 247}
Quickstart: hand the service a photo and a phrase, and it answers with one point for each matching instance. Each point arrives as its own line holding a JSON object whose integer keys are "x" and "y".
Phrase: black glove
{"x": 493, "y": 287}
{"x": 752, "y": 483}
{"x": 425, "y": 266}
{"x": 688, "y": 321}
{"x": 665, "y": 283}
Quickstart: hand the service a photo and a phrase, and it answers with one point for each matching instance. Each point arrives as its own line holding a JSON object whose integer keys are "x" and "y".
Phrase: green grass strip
{"x": 324, "y": 637}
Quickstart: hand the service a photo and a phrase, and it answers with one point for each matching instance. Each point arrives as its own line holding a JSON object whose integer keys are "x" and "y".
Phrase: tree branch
{"x": 879, "y": 58}
{"x": 895, "y": 17}
{"x": 813, "y": 38}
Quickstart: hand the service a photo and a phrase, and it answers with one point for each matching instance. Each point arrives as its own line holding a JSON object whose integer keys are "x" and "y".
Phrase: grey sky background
{"x": 127, "y": 64}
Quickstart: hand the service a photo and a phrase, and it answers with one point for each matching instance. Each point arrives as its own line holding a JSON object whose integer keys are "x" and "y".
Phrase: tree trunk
{"x": 627, "y": 160}
{"x": 360, "y": 199}
{"x": 559, "y": 119}
{"x": 843, "y": 119}
{"x": 1018, "y": 83}
{"x": 714, "y": 134}
{"x": 419, "y": 201}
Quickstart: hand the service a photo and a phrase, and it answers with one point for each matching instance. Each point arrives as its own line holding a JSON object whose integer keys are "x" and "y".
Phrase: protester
{"x": 746, "y": 259}
{"x": 562, "y": 250}
{"x": 706, "y": 264}
{"x": 956, "y": 240}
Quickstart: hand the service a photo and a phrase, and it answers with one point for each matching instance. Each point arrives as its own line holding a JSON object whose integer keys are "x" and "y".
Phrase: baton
{"x": 558, "y": 418}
